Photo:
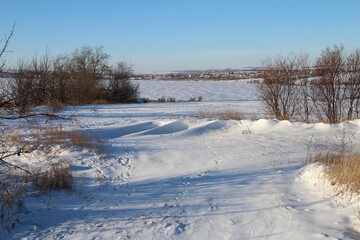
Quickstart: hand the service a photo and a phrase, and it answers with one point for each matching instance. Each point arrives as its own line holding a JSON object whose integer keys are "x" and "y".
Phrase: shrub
{"x": 58, "y": 177}
{"x": 194, "y": 99}
{"x": 120, "y": 88}
{"x": 78, "y": 78}
{"x": 169, "y": 99}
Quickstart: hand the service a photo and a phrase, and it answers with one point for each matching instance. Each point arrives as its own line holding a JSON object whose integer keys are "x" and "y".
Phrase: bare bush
{"x": 166, "y": 99}
{"x": 278, "y": 89}
{"x": 79, "y": 78}
{"x": 88, "y": 68}
{"x": 34, "y": 83}
{"x": 62, "y": 80}
{"x": 120, "y": 88}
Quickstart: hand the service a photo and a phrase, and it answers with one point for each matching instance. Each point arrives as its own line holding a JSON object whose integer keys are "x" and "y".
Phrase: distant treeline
{"x": 82, "y": 77}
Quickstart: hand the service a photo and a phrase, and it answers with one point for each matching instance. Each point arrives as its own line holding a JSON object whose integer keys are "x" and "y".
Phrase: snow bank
{"x": 313, "y": 178}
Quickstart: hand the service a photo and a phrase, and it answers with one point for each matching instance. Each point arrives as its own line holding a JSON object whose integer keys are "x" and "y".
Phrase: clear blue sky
{"x": 163, "y": 35}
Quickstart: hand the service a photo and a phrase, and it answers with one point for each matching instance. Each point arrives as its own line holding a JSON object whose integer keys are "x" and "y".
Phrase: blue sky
{"x": 164, "y": 35}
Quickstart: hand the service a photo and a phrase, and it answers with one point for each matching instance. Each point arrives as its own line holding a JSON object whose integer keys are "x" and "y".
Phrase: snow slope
{"x": 169, "y": 175}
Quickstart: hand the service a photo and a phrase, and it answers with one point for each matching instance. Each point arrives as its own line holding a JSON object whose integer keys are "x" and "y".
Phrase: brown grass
{"x": 222, "y": 114}
{"x": 58, "y": 177}
{"x": 57, "y": 135}
{"x": 344, "y": 169}
{"x": 55, "y": 105}
{"x": 101, "y": 101}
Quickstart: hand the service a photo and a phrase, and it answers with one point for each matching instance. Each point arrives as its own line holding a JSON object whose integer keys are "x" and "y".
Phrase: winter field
{"x": 167, "y": 174}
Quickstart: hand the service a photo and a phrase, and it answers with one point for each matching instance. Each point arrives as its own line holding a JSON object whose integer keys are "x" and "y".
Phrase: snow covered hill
{"x": 169, "y": 175}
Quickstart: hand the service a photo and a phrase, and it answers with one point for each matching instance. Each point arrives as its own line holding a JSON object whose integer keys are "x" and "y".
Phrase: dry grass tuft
{"x": 55, "y": 105}
{"x": 223, "y": 114}
{"x": 59, "y": 177}
{"x": 101, "y": 101}
{"x": 344, "y": 169}
{"x": 57, "y": 135}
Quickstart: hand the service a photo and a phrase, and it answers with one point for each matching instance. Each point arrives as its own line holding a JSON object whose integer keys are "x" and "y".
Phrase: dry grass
{"x": 13, "y": 189}
{"x": 344, "y": 169}
{"x": 16, "y": 181}
{"x": 55, "y": 105}
{"x": 75, "y": 138}
{"x": 57, "y": 135}
{"x": 222, "y": 114}
{"x": 58, "y": 177}
{"x": 101, "y": 101}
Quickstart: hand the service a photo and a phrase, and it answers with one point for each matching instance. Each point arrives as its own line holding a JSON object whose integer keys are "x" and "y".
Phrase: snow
{"x": 170, "y": 175}
{"x": 231, "y": 90}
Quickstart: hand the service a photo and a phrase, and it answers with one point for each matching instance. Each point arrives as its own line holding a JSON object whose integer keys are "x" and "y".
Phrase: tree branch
{"x": 50, "y": 115}
{"x": 6, "y": 44}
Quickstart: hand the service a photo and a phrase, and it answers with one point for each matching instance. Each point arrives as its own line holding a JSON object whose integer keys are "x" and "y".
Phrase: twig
{"x": 34, "y": 115}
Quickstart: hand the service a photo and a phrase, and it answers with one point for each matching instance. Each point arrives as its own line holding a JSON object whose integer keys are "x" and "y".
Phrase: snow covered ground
{"x": 210, "y": 90}
{"x": 169, "y": 175}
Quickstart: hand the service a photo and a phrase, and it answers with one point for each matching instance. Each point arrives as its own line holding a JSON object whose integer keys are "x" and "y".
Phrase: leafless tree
{"x": 120, "y": 88}
{"x": 5, "y": 44}
{"x": 5, "y": 98}
{"x": 353, "y": 84}
{"x": 329, "y": 89}
{"x": 62, "y": 78}
{"x": 278, "y": 90}
{"x": 34, "y": 83}
{"x": 88, "y": 67}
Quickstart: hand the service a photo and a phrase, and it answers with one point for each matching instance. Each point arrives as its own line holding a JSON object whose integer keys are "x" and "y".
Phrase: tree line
{"x": 82, "y": 77}
{"x": 327, "y": 90}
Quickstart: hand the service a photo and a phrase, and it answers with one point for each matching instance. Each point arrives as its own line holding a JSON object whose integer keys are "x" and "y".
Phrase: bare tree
{"x": 353, "y": 84}
{"x": 34, "y": 83}
{"x": 5, "y": 44}
{"x": 278, "y": 89}
{"x": 329, "y": 91}
{"x": 120, "y": 88}
{"x": 88, "y": 67}
{"x": 62, "y": 78}
{"x": 5, "y": 98}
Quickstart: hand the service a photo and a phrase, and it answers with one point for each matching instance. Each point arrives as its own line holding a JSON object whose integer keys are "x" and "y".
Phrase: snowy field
{"x": 209, "y": 90}
{"x": 169, "y": 175}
